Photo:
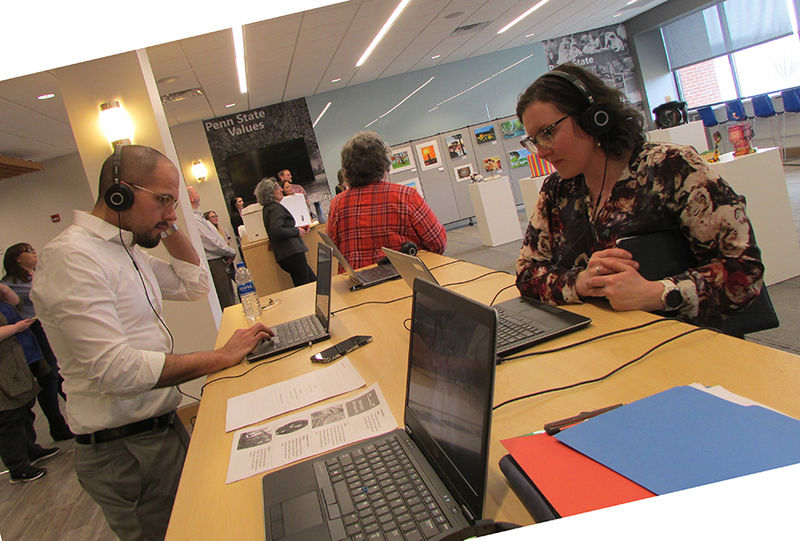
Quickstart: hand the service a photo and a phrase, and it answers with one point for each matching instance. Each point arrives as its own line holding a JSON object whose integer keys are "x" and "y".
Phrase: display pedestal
{"x": 530, "y": 192}
{"x": 692, "y": 134}
{"x": 760, "y": 179}
{"x": 495, "y": 211}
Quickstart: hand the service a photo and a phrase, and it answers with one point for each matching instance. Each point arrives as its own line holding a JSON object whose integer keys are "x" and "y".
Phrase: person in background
{"x": 218, "y": 252}
{"x": 99, "y": 296}
{"x": 373, "y": 212}
{"x": 236, "y": 206}
{"x": 213, "y": 217}
{"x": 342, "y": 181}
{"x": 284, "y": 236}
{"x": 284, "y": 177}
{"x": 18, "y": 349}
{"x": 610, "y": 183}
{"x": 20, "y": 262}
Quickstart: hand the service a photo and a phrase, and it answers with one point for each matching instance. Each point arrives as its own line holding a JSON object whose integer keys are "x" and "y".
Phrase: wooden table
{"x": 207, "y": 508}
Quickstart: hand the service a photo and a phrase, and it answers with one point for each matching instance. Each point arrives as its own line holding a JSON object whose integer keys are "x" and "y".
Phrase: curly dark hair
{"x": 365, "y": 159}
{"x": 12, "y": 266}
{"x": 627, "y": 126}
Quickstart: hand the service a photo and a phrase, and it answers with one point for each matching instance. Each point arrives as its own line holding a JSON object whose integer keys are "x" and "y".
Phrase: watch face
{"x": 673, "y": 299}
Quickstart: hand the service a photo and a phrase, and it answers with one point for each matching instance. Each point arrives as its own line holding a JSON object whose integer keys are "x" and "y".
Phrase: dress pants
{"x": 298, "y": 268}
{"x": 222, "y": 283}
{"x": 17, "y": 438}
{"x": 134, "y": 479}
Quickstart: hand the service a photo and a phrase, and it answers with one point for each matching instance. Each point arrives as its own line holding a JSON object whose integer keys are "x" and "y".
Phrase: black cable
{"x": 256, "y": 365}
{"x": 473, "y": 279}
{"x": 369, "y": 302}
{"x": 407, "y": 327}
{"x": 595, "y": 380}
{"x": 186, "y": 394}
{"x": 587, "y": 340}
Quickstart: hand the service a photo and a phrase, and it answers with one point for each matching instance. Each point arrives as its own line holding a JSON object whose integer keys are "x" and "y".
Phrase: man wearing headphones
{"x": 610, "y": 184}
{"x": 99, "y": 298}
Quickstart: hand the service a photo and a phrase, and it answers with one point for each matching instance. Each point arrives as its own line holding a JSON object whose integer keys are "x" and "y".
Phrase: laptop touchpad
{"x": 301, "y": 513}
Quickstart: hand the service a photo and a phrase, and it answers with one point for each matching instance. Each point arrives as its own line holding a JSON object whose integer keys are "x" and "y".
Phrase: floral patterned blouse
{"x": 665, "y": 187}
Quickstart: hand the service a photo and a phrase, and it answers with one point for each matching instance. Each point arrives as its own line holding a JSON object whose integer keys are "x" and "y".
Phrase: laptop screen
{"x": 450, "y": 386}
{"x": 323, "y": 297}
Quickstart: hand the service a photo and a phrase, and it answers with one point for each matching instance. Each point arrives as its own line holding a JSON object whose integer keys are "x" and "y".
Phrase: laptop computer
{"x": 419, "y": 482}
{"x": 522, "y": 322}
{"x": 312, "y": 328}
{"x": 365, "y": 277}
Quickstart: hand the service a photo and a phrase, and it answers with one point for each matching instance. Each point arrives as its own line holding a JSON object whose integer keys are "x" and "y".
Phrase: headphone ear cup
{"x": 409, "y": 248}
{"x": 119, "y": 197}
{"x": 595, "y": 120}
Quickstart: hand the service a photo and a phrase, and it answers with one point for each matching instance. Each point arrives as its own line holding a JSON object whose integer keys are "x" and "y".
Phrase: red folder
{"x": 573, "y": 483}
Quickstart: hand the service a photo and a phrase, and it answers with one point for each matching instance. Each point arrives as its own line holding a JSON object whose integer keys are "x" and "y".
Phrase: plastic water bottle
{"x": 247, "y": 293}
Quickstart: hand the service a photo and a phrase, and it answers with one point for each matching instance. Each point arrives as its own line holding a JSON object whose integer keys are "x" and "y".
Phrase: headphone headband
{"x": 594, "y": 117}
{"x": 577, "y": 83}
{"x": 118, "y": 196}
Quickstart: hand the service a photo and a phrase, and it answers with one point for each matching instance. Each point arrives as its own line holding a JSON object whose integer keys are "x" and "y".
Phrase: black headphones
{"x": 409, "y": 248}
{"x": 594, "y": 119}
{"x": 118, "y": 196}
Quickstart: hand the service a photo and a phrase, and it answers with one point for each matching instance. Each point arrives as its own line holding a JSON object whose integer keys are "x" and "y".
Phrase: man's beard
{"x": 147, "y": 242}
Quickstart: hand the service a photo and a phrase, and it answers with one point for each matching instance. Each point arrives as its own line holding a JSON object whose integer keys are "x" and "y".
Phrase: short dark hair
{"x": 626, "y": 132}
{"x": 365, "y": 159}
{"x": 12, "y": 266}
{"x": 137, "y": 162}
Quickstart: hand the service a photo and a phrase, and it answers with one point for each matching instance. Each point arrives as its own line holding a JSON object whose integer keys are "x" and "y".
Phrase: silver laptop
{"x": 522, "y": 322}
{"x": 308, "y": 329}
{"x": 364, "y": 277}
{"x": 421, "y": 482}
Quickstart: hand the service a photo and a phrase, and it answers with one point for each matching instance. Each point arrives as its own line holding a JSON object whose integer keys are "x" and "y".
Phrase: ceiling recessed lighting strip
{"x": 518, "y": 19}
{"x": 420, "y": 87}
{"x": 480, "y": 83}
{"x": 325, "y": 110}
{"x": 238, "y": 47}
{"x": 379, "y": 36}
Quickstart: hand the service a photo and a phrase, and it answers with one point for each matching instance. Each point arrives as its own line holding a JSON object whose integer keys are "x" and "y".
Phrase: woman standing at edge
{"x": 284, "y": 236}
{"x": 609, "y": 183}
{"x": 20, "y": 262}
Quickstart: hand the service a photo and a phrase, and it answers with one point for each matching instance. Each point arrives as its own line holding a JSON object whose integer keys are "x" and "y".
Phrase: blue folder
{"x": 684, "y": 437}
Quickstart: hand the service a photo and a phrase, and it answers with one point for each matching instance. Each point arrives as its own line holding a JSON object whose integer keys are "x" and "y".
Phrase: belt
{"x": 109, "y": 434}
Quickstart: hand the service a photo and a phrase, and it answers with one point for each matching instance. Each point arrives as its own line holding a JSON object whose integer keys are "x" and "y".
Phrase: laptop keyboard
{"x": 374, "y": 492}
{"x": 297, "y": 331}
{"x": 376, "y": 273}
{"x": 512, "y": 328}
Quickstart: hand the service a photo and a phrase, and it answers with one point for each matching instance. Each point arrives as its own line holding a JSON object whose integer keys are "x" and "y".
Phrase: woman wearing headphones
{"x": 610, "y": 184}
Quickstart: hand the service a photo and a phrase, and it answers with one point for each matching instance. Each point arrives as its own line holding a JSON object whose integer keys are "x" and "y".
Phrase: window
{"x": 733, "y": 49}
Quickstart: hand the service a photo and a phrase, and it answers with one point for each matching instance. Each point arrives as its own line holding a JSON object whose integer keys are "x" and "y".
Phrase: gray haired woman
{"x": 284, "y": 235}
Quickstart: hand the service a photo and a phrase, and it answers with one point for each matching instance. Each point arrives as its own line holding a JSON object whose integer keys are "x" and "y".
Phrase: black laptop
{"x": 522, "y": 322}
{"x": 305, "y": 330}
{"x": 419, "y": 482}
{"x": 365, "y": 277}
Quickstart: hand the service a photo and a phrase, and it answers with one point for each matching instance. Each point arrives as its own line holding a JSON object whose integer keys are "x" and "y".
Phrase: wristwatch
{"x": 169, "y": 231}
{"x": 671, "y": 298}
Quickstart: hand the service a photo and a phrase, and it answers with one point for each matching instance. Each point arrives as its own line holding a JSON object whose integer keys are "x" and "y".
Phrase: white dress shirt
{"x": 214, "y": 243}
{"x": 111, "y": 346}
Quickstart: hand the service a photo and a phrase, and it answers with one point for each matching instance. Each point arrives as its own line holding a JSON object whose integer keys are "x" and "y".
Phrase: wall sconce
{"x": 116, "y": 123}
{"x": 199, "y": 171}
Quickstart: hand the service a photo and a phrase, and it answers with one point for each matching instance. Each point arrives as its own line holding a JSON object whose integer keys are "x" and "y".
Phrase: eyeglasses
{"x": 165, "y": 199}
{"x": 29, "y": 249}
{"x": 542, "y": 139}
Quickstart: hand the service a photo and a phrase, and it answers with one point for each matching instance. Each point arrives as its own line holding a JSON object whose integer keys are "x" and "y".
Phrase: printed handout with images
{"x": 293, "y": 394}
{"x": 257, "y": 449}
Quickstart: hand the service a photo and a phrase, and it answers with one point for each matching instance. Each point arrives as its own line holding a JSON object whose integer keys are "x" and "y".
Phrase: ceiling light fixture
{"x": 434, "y": 57}
{"x": 529, "y": 35}
{"x": 48, "y": 96}
{"x": 229, "y": 105}
{"x": 480, "y": 83}
{"x": 115, "y": 123}
{"x": 238, "y": 47}
{"x": 336, "y": 80}
{"x": 518, "y": 19}
{"x": 325, "y": 110}
{"x": 420, "y": 87}
{"x": 386, "y": 26}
